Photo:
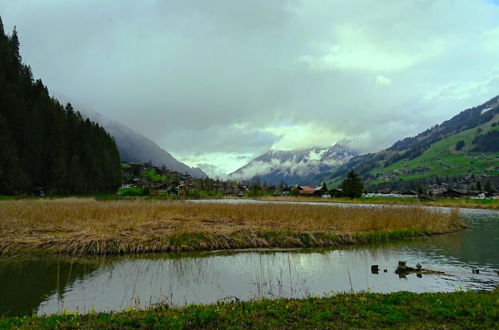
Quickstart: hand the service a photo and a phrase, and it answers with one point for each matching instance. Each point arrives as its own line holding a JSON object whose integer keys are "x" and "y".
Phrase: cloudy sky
{"x": 219, "y": 82}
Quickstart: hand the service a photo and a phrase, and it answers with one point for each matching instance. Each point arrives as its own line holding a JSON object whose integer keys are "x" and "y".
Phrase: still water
{"x": 51, "y": 284}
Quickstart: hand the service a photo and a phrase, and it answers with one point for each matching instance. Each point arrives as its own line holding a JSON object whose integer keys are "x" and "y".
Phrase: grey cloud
{"x": 211, "y": 76}
{"x": 229, "y": 138}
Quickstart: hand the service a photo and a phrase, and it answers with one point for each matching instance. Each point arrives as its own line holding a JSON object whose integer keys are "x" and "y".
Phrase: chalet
{"x": 321, "y": 191}
{"x": 162, "y": 188}
{"x": 336, "y": 192}
{"x": 306, "y": 190}
{"x": 452, "y": 193}
{"x": 172, "y": 191}
{"x": 186, "y": 187}
{"x": 384, "y": 191}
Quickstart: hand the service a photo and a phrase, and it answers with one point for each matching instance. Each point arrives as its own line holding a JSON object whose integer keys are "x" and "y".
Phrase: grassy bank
{"x": 87, "y": 226}
{"x": 363, "y": 310}
{"x": 490, "y": 204}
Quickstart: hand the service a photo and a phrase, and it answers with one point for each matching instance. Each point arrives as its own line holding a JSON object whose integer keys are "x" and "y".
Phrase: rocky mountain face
{"x": 294, "y": 166}
{"x": 134, "y": 147}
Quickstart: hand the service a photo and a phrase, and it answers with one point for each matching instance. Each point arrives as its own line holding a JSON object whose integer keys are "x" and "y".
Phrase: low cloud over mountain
{"x": 294, "y": 166}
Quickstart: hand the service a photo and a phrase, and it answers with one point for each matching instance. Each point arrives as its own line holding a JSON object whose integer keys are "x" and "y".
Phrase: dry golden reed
{"x": 490, "y": 204}
{"x": 87, "y": 226}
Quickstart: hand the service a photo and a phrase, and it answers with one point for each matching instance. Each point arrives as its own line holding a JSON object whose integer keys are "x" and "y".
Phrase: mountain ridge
{"x": 134, "y": 147}
{"x": 293, "y": 166}
{"x": 410, "y": 162}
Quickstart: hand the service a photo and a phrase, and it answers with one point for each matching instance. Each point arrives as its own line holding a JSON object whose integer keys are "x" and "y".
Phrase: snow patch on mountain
{"x": 294, "y": 166}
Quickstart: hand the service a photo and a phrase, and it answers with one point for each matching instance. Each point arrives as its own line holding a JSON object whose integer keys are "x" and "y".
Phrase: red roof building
{"x": 306, "y": 190}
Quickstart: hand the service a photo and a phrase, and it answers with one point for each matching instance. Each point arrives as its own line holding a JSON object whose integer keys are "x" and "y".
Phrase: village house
{"x": 306, "y": 190}
{"x": 336, "y": 192}
{"x": 321, "y": 192}
{"x": 453, "y": 193}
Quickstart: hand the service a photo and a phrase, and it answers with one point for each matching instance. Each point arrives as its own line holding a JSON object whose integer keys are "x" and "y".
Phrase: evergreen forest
{"x": 45, "y": 146}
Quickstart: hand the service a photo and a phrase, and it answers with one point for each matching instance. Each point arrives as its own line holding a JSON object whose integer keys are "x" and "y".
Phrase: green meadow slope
{"x": 442, "y": 159}
{"x": 462, "y": 152}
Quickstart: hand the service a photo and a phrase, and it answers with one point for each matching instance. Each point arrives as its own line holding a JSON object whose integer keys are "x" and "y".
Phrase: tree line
{"x": 43, "y": 144}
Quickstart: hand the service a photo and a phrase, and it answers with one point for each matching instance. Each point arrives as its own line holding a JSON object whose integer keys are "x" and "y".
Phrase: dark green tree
{"x": 460, "y": 144}
{"x": 488, "y": 188}
{"x": 352, "y": 185}
{"x": 43, "y": 145}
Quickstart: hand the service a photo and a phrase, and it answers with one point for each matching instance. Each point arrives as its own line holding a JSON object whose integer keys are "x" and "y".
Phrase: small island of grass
{"x": 86, "y": 226}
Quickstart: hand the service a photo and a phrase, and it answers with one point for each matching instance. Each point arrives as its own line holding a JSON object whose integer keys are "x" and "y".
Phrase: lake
{"x": 51, "y": 284}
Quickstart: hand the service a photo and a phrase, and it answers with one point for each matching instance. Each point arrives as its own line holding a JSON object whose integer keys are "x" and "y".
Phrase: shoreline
{"x": 480, "y": 204}
{"x": 238, "y": 242}
{"x": 458, "y": 203}
{"x": 468, "y": 309}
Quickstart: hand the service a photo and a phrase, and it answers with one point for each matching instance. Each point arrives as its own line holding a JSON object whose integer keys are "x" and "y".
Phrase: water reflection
{"x": 50, "y": 285}
{"x": 26, "y": 283}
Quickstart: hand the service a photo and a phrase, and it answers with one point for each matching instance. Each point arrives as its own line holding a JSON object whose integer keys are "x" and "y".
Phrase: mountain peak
{"x": 294, "y": 166}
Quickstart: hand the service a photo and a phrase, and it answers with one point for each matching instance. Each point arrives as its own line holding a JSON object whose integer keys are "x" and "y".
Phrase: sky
{"x": 219, "y": 82}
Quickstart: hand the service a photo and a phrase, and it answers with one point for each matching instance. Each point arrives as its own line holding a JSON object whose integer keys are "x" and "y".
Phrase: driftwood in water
{"x": 403, "y": 270}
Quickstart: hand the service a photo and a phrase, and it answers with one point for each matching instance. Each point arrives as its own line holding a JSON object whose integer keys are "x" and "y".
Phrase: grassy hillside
{"x": 462, "y": 152}
{"x": 442, "y": 159}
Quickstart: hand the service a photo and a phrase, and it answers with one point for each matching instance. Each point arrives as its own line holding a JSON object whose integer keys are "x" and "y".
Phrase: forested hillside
{"x": 44, "y": 145}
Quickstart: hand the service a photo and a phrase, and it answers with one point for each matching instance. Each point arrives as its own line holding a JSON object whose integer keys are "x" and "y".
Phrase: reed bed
{"x": 86, "y": 226}
{"x": 487, "y": 204}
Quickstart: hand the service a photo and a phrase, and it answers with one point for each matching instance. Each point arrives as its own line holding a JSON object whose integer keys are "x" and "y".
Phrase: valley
{"x": 259, "y": 164}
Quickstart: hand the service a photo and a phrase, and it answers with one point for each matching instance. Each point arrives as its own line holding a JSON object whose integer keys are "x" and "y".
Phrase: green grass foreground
{"x": 363, "y": 310}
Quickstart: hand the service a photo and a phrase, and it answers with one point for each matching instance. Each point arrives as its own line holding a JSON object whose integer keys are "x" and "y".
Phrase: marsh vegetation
{"x": 87, "y": 226}
{"x": 489, "y": 204}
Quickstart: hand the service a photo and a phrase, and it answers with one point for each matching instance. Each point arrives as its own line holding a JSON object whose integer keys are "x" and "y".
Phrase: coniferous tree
{"x": 352, "y": 185}
{"x": 488, "y": 188}
{"x": 43, "y": 145}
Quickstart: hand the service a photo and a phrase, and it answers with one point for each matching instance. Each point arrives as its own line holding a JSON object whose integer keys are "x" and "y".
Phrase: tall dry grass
{"x": 490, "y": 204}
{"x": 78, "y": 226}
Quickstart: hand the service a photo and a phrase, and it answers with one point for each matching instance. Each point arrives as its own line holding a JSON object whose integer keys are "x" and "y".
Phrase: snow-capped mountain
{"x": 294, "y": 166}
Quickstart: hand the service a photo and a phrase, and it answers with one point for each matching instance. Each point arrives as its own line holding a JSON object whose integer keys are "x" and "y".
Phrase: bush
{"x": 134, "y": 191}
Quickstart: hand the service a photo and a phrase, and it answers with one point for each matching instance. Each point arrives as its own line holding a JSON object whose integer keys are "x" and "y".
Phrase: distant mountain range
{"x": 461, "y": 152}
{"x": 133, "y": 147}
{"x": 294, "y": 166}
